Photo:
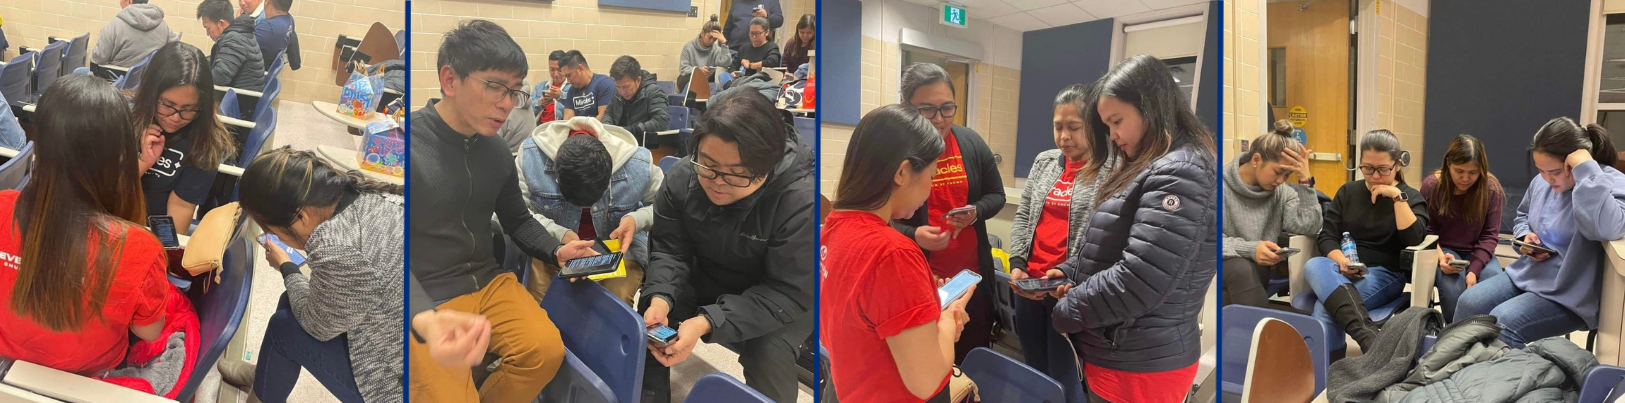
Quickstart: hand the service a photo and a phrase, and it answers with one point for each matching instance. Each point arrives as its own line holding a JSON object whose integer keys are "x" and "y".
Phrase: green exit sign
{"x": 953, "y": 15}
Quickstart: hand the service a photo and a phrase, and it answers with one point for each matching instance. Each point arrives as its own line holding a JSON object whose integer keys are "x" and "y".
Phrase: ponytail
{"x": 1602, "y": 146}
{"x": 1562, "y": 136}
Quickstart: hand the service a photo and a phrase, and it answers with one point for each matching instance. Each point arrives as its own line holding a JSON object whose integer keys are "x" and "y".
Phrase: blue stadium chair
{"x": 1602, "y": 384}
{"x": 75, "y": 57}
{"x": 681, "y": 118}
{"x": 1237, "y": 335}
{"x": 14, "y": 173}
{"x": 575, "y": 383}
{"x": 228, "y": 105}
{"x": 133, "y": 78}
{"x": 670, "y": 87}
{"x": 221, "y": 309}
{"x": 808, "y": 129}
{"x": 273, "y": 88}
{"x": 47, "y": 68}
{"x": 602, "y": 331}
{"x": 16, "y": 79}
{"x": 721, "y": 388}
{"x": 667, "y": 162}
{"x": 1000, "y": 378}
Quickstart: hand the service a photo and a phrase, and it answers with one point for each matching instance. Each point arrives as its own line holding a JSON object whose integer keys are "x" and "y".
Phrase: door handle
{"x": 1334, "y": 157}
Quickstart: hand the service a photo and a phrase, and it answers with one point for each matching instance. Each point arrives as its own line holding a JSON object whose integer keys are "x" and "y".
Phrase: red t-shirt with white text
{"x": 1049, "y": 237}
{"x": 950, "y": 189}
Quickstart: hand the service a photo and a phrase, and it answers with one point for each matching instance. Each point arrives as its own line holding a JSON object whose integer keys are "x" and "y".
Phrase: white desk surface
{"x": 331, "y": 111}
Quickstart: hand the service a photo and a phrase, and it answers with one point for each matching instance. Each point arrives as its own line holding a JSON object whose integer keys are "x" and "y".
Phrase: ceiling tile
{"x": 986, "y": 9}
{"x": 1112, "y": 8}
{"x": 1065, "y": 14}
{"x": 1029, "y": 5}
{"x": 1162, "y": 4}
{"x": 1019, "y": 22}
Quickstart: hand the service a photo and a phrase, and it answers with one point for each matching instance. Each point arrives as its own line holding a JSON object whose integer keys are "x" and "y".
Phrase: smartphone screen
{"x": 591, "y": 265}
{"x": 957, "y": 286}
{"x": 164, "y": 227}
{"x": 293, "y": 254}
{"x": 1541, "y": 248}
{"x": 662, "y": 335}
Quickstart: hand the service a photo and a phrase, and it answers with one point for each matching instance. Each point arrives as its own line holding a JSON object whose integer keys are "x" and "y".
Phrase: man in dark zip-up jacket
{"x": 640, "y": 104}
{"x": 461, "y": 175}
{"x": 733, "y": 264}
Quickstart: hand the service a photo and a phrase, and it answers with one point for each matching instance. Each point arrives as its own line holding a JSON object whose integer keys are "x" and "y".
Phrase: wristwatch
{"x": 1310, "y": 182}
{"x": 1402, "y": 197}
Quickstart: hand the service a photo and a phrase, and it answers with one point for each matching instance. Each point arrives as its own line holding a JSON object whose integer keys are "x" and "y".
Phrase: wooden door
{"x": 958, "y": 73}
{"x": 1316, "y": 44}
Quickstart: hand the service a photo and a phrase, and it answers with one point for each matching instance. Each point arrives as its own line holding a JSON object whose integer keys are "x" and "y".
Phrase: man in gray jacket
{"x": 235, "y": 59}
{"x": 138, "y": 30}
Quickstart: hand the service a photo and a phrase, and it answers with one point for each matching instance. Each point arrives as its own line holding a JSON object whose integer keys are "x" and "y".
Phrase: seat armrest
{"x": 1427, "y": 243}
{"x": 230, "y": 170}
{"x": 1296, "y": 282}
{"x": 1424, "y": 267}
{"x": 73, "y": 388}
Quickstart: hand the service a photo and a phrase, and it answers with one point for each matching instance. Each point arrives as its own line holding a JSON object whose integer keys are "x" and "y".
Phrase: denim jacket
{"x": 633, "y": 184}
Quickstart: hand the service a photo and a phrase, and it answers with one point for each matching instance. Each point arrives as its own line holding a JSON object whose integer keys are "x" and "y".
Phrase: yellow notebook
{"x": 620, "y": 269}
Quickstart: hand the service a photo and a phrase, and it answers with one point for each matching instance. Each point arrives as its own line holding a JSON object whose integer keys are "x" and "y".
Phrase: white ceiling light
{"x": 1163, "y": 24}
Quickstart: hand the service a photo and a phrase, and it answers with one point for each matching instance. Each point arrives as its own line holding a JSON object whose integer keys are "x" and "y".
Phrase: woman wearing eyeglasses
{"x": 966, "y": 179}
{"x": 730, "y": 246}
{"x": 761, "y": 52}
{"x": 182, "y": 143}
{"x": 1384, "y": 216}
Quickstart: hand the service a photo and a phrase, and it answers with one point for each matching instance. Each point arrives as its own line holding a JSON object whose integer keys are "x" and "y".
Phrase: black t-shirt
{"x": 174, "y": 174}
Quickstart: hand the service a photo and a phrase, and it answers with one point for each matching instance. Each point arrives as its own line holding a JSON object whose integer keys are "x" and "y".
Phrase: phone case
{"x": 620, "y": 268}
{"x": 593, "y": 269}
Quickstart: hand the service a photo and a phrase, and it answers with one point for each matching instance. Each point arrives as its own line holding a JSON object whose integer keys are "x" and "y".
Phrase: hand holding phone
{"x": 1037, "y": 285}
{"x": 661, "y": 335}
{"x": 293, "y": 255}
{"x": 164, "y": 227}
{"x": 958, "y": 211}
{"x": 590, "y": 265}
{"x": 1533, "y": 248}
{"x": 1284, "y": 252}
{"x": 1459, "y": 264}
{"x": 960, "y": 285}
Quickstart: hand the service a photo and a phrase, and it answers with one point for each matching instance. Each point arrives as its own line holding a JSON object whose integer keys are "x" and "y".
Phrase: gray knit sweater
{"x": 1252, "y": 214}
{"x": 694, "y": 55}
{"x": 355, "y": 288}
{"x": 1047, "y": 169}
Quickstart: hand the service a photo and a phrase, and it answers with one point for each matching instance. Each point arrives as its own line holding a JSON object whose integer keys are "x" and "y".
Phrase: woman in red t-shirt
{"x": 887, "y": 337}
{"x": 81, "y": 272}
{"x": 1049, "y": 223}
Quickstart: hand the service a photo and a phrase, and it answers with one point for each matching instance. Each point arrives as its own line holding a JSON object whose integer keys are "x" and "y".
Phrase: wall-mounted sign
{"x": 1300, "y": 135}
{"x": 953, "y": 15}
{"x": 1298, "y": 116}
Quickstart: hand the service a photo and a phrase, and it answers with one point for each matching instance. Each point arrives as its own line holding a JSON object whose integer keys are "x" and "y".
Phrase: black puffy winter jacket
{"x": 1145, "y": 265}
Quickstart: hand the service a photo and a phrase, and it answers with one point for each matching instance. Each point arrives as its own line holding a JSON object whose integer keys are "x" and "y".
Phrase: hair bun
{"x": 713, "y": 17}
{"x": 1282, "y": 127}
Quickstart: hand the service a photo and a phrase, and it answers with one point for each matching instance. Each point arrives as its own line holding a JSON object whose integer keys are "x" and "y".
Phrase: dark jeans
{"x": 1244, "y": 282}
{"x": 769, "y": 361}
{"x": 287, "y": 348}
{"x": 1045, "y": 349}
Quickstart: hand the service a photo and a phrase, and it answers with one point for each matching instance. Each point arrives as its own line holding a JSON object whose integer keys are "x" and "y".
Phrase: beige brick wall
{"x": 319, "y": 22}
{"x": 1401, "y": 76}
{"x": 1243, "y": 57}
{"x": 656, "y": 39}
{"x": 994, "y": 97}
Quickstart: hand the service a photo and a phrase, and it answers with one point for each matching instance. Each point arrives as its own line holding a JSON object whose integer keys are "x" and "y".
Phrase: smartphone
{"x": 958, "y": 211}
{"x": 1284, "y": 252}
{"x": 957, "y": 286}
{"x": 1540, "y": 248}
{"x": 758, "y": 6}
{"x": 661, "y": 335}
{"x": 164, "y": 227}
{"x": 293, "y": 254}
{"x": 1459, "y": 264}
{"x": 1360, "y": 267}
{"x": 587, "y": 266}
{"x": 1042, "y": 284}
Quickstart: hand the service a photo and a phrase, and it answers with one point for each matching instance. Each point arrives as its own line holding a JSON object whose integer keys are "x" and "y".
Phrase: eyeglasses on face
{"x": 735, "y": 180}
{"x": 947, "y": 110}
{"x": 495, "y": 91}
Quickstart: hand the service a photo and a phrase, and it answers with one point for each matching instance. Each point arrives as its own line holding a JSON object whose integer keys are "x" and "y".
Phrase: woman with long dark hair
{"x": 796, "y": 52}
{"x": 1382, "y": 215}
{"x": 887, "y": 337}
{"x": 1048, "y": 229}
{"x": 1464, "y": 210}
{"x": 175, "y": 102}
{"x": 81, "y": 272}
{"x": 1147, "y": 257}
{"x": 1576, "y": 205}
{"x": 343, "y": 322}
{"x": 965, "y": 177}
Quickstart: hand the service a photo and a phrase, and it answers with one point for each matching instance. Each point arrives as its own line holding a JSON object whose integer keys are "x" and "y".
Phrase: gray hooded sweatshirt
{"x": 137, "y": 31}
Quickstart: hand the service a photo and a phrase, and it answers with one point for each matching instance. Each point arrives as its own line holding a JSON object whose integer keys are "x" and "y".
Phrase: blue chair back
{"x": 678, "y": 117}
{"x": 719, "y": 387}
{"x": 670, "y": 87}
{"x": 16, "y": 82}
{"x": 605, "y": 333}
{"x": 130, "y": 80}
{"x": 275, "y": 67}
{"x": 808, "y": 129}
{"x": 667, "y": 162}
{"x": 75, "y": 57}
{"x": 273, "y": 88}
{"x": 1237, "y": 336}
{"x": 575, "y": 383}
{"x": 48, "y": 67}
{"x": 221, "y": 309}
{"x": 1003, "y": 379}
{"x": 400, "y": 42}
{"x": 228, "y": 105}
{"x": 14, "y": 173}
{"x": 674, "y": 99}
{"x": 1602, "y": 384}
{"x": 263, "y": 127}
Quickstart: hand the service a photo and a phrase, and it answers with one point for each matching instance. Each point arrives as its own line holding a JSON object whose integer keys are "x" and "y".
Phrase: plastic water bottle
{"x": 1349, "y": 250}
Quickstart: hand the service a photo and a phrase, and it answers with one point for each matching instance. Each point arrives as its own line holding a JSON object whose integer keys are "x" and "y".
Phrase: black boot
{"x": 1348, "y": 310}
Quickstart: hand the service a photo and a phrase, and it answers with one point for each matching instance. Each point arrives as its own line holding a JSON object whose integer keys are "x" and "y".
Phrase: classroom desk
{"x": 800, "y": 111}
{"x": 347, "y": 159}
{"x": 331, "y": 111}
{"x": 7, "y": 152}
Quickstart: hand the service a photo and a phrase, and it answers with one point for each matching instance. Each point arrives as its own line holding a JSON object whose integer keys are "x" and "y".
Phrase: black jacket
{"x": 1144, "y": 268}
{"x": 747, "y": 265}
{"x": 235, "y": 59}
{"x": 457, "y": 183}
{"x": 644, "y": 114}
{"x": 986, "y": 193}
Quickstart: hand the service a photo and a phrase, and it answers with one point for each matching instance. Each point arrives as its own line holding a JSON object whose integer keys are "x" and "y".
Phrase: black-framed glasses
{"x": 735, "y": 180}
{"x": 1373, "y": 170}
{"x": 930, "y": 112}
{"x": 167, "y": 109}
{"x": 521, "y": 98}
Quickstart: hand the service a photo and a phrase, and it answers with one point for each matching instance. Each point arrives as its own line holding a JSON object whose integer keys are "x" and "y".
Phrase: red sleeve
{"x": 143, "y": 267}
{"x": 907, "y": 298}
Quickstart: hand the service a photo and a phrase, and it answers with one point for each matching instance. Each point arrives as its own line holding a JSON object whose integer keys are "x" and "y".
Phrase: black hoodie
{"x": 644, "y": 114}
{"x": 457, "y": 183}
{"x": 747, "y": 265}
{"x": 235, "y": 59}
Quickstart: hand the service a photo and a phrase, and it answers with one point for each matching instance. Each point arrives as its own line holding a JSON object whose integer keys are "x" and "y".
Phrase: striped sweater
{"x": 1047, "y": 168}
{"x": 355, "y": 288}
